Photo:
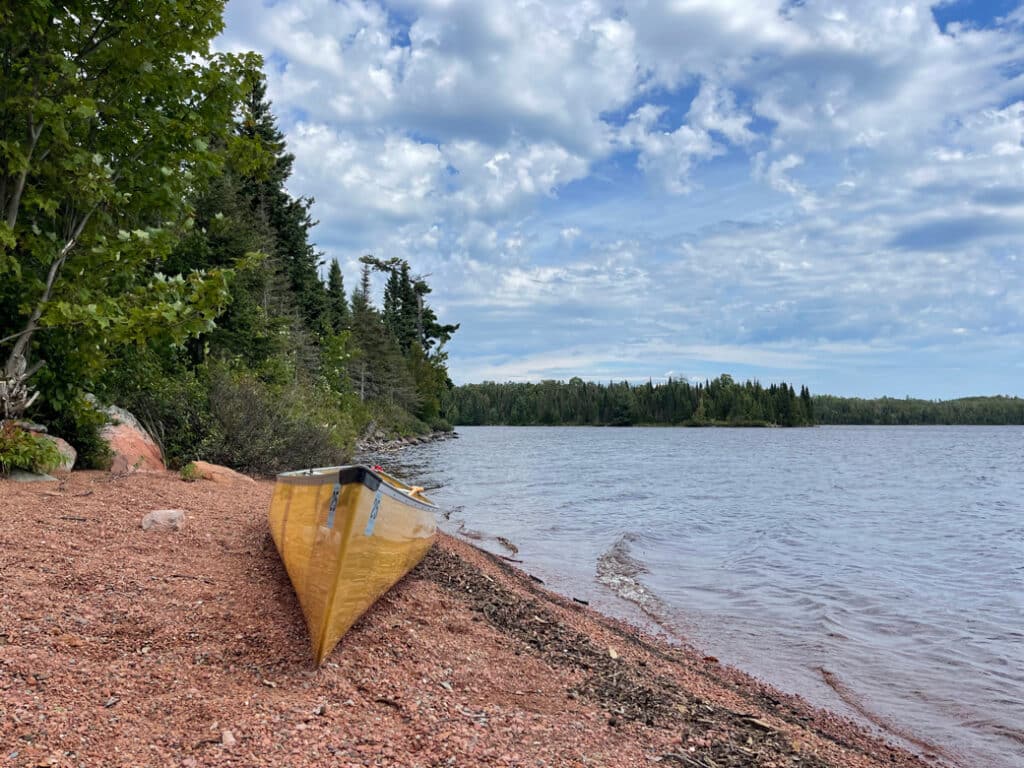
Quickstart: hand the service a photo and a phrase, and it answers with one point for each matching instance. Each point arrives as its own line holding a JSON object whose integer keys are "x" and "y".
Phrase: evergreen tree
{"x": 393, "y": 305}
{"x": 289, "y": 218}
{"x": 337, "y": 304}
{"x": 411, "y": 313}
{"x": 364, "y": 332}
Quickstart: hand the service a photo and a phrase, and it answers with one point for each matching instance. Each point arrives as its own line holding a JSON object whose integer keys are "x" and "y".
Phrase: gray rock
{"x": 68, "y": 455}
{"x": 170, "y": 519}
{"x": 21, "y": 476}
{"x": 29, "y": 426}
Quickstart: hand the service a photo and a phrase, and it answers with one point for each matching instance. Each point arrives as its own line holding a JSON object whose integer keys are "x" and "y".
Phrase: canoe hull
{"x": 346, "y": 535}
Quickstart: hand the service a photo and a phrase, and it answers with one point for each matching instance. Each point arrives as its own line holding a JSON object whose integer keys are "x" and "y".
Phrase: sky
{"x": 821, "y": 192}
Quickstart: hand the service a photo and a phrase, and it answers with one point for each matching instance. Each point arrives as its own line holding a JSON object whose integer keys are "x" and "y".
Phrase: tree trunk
{"x": 15, "y": 394}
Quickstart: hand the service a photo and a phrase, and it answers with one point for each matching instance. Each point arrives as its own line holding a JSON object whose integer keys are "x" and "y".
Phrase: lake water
{"x": 876, "y": 571}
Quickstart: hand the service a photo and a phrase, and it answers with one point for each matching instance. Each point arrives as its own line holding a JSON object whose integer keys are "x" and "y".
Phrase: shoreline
{"x": 377, "y": 445}
{"x": 187, "y": 648}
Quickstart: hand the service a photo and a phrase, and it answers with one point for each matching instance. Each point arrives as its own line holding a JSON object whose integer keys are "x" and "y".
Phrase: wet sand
{"x": 120, "y": 646}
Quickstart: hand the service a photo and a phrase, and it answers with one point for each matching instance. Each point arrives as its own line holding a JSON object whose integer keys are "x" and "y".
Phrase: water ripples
{"x": 877, "y": 571}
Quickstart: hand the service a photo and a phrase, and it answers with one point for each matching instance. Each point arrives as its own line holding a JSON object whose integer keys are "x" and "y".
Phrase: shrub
{"x": 175, "y": 410}
{"x": 80, "y": 423}
{"x": 265, "y": 429}
{"x": 395, "y": 421}
{"x": 20, "y": 449}
{"x": 189, "y": 473}
{"x": 441, "y": 424}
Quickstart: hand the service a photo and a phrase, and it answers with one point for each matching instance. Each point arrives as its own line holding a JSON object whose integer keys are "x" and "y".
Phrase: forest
{"x": 829, "y": 409}
{"x": 153, "y": 257}
{"x": 719, "y": 402}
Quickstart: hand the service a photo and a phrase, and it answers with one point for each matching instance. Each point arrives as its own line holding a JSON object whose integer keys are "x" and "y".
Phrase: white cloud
{"x": 387, "y": 175}
{"x": 714, "y": 109}
{"x": 493, "y": 181}
{"x": 664, "y": 154}
{"x": 775, "y": 172}
{"x": 581, "y": 283}
{"x": 830, "y": 175}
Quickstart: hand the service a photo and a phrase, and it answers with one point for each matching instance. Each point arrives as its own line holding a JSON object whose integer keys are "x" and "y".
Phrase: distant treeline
{"x": 720, "y": 402}
{"x": 887, "y": 410}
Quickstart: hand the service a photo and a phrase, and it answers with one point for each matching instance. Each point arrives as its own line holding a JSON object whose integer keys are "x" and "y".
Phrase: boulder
{"x": 68, "y": 455}
{"x": 170, "y": 519}
{"x": 132, "y": 447}
{"x": 67, "y": 452}
{"x": 218, "y": 474}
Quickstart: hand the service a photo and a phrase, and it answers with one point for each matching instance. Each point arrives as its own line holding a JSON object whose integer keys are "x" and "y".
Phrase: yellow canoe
{"x": 346, "y": 536}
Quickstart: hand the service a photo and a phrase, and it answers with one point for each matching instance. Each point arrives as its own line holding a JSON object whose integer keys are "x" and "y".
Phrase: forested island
{"x": 829, "y": 409}
{"x": 152, "y": 256}
{"x": 718, "y": 402}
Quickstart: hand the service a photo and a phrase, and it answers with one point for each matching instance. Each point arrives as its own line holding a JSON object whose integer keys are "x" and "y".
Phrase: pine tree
{"x": 410, "y": 323}
{"x": 288, "y": 217}
{"x": 808, "y": 404}
{"x": 393, "y": 305}
{"x": 337, "y": 304}
{"x": 364, "y": 330}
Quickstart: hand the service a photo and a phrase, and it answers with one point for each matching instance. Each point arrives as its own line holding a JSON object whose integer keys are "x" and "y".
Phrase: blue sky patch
{"x": 825, "y": 192}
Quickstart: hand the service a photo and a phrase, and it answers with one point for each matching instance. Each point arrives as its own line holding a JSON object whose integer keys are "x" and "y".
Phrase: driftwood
{"x": 15, "y": 394}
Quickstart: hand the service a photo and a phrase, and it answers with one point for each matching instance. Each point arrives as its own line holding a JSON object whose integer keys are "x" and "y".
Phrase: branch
{"x": 94, "y": 41}
{"x": 13, "y": 336}
{"x": 34, "y": 132}
{"x": 33, "y": 322}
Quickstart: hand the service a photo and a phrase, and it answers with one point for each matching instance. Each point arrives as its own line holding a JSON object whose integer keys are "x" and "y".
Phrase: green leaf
{"x": 86, "y": 109}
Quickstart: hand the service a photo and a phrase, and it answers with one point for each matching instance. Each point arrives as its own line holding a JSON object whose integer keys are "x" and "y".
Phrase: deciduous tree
{"x": 107, "y": 111}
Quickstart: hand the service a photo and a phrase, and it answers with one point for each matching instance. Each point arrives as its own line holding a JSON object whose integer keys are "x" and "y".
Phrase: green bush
{"x": 395, "y": 421}
{"x": 267, "y": 429}
{"x": 80, "y": 423}
{"x": 234, "y": 416}
{"x": 189, "y": 473}
{"x": 440, "y": 424}
{"x": 20, "y": 449}
{"x": 175, "y": 410}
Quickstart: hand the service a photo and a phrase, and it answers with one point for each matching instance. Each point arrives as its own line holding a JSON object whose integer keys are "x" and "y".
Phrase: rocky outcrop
{"x": 204, "y": 470}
